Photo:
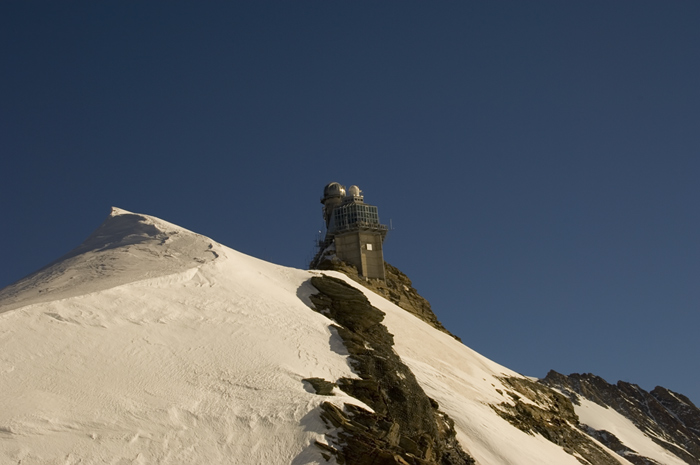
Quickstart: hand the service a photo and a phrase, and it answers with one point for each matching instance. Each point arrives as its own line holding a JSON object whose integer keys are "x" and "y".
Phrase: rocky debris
{"x": 405, "y": 426}
{"x": 669, "y": 419}
{"x": 551, "y": 415}
{"x": 398, "y": 289}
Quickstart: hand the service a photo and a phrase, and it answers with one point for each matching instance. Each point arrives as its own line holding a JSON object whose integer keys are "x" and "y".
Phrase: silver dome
{"x": 333, "y": 189}
{"x": 354, "y": 191}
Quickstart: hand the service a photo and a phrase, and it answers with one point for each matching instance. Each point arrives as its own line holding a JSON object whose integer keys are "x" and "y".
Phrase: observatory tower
{"x": 353, "y": 231}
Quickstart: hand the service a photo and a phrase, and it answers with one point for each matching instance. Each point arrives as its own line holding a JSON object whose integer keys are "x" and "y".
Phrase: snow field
{"x": 202, "y": 366}
{"x": 150, "y": 344}
{"x": 602, "y": 418}
{"x": 464, "y": 383}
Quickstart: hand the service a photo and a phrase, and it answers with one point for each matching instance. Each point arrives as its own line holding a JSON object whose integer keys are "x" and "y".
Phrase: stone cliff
{"x": 671, "y": 420}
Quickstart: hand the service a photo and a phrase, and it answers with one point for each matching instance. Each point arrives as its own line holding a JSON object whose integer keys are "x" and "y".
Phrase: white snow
{"x": 203, "y": 365}
{"x": 464, "y": 383}
{"x": 602, "y": 418}
{"x": 150, "y": 344}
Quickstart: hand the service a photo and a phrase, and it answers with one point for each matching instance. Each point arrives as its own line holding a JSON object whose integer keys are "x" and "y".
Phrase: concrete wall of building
{"x": 347, "y": 248}
{"x": 363, "y": 250}
{"x": 373, "y": 255}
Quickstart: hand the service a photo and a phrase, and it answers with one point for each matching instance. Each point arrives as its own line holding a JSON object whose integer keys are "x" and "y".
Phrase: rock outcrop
{"x": 537, "y": 409}
{"x": 669, "y": 419}
{"x": 405, "y": 426}
{"x": 398, "y": 289}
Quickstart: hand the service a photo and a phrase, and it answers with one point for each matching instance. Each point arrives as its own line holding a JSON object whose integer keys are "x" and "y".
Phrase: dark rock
{"x": 405, "y": 426}
{"x": 680, "y": 406}
{"x": 660, "y": 414}
{"x": 552, "y": 416}
{"x": 321, "y": 386}
{"x": 397, "y": 288}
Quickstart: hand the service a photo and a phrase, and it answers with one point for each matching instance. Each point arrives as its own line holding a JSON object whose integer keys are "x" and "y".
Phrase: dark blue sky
{"x": 539, "y": 160}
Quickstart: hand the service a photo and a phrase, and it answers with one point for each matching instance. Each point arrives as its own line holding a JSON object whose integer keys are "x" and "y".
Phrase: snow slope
{"x": 150, "y": 344}
{"x": 200, "y": 364}
{"x": 603, "y": 418}
{"x": 464, "y": 383}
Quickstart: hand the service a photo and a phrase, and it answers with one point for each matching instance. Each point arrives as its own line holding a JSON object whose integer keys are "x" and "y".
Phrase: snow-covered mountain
{"x": 150, "y": 344}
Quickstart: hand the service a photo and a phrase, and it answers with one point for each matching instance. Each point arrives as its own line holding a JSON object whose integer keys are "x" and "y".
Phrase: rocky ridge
{"x": 536, "y": 409}
{"x": 153, "y": 314}
{"x": 398, "y": 289}
{"x": 546, "y": 407}
{"x": 405, "y": 426}
{"x": 671, "y": 420}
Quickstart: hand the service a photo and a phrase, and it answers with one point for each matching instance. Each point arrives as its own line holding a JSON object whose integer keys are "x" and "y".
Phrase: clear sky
{"x": 539, "y": 161}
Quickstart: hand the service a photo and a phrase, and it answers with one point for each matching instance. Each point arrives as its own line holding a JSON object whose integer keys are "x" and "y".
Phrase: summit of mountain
{"x": 151, "y": 344}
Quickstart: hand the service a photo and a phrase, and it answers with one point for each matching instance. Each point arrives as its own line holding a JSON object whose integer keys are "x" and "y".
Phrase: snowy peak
{"x": 126, "y": 247}
{"x": 119, "y": 211}
{"x": 121, "y": 229}
{"x": 149, "y": 343}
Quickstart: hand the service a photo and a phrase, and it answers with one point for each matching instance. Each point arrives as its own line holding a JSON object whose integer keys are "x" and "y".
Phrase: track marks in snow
{"x": 58, "y": 317}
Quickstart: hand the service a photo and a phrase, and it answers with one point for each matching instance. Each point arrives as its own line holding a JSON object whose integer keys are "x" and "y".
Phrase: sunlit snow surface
{"x": 203, "y": 365}
{"x": 150, "y": 344}
{"x": 601, "y": 418}
{"x": 464, "y": 383}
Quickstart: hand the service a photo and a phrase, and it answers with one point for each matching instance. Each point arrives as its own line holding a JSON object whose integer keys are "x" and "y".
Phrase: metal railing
{"x": 360, "y": 225}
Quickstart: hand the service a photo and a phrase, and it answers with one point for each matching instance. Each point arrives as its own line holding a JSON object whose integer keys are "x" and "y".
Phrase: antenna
{"x": 391, "y": 225}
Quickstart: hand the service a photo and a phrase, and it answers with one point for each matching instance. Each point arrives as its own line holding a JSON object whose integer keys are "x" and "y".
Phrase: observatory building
{"x": 353, "y": 232}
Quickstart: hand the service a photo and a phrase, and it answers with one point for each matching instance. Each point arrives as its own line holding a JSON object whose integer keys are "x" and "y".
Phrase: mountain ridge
{"x": 89, "y": 266}
{"x": 152, "y": 344}
{"x": 668, "y": 418}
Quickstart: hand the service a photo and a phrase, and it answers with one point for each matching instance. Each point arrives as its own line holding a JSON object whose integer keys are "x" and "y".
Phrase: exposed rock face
{"x": 398, "y": 289}
{"x": 680, "y": 406}
{"x": 406, "y": 426}
{"x": 660, "y": 413}
{"x": 551, "y": 415}
{"x": 320, "y": 386}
